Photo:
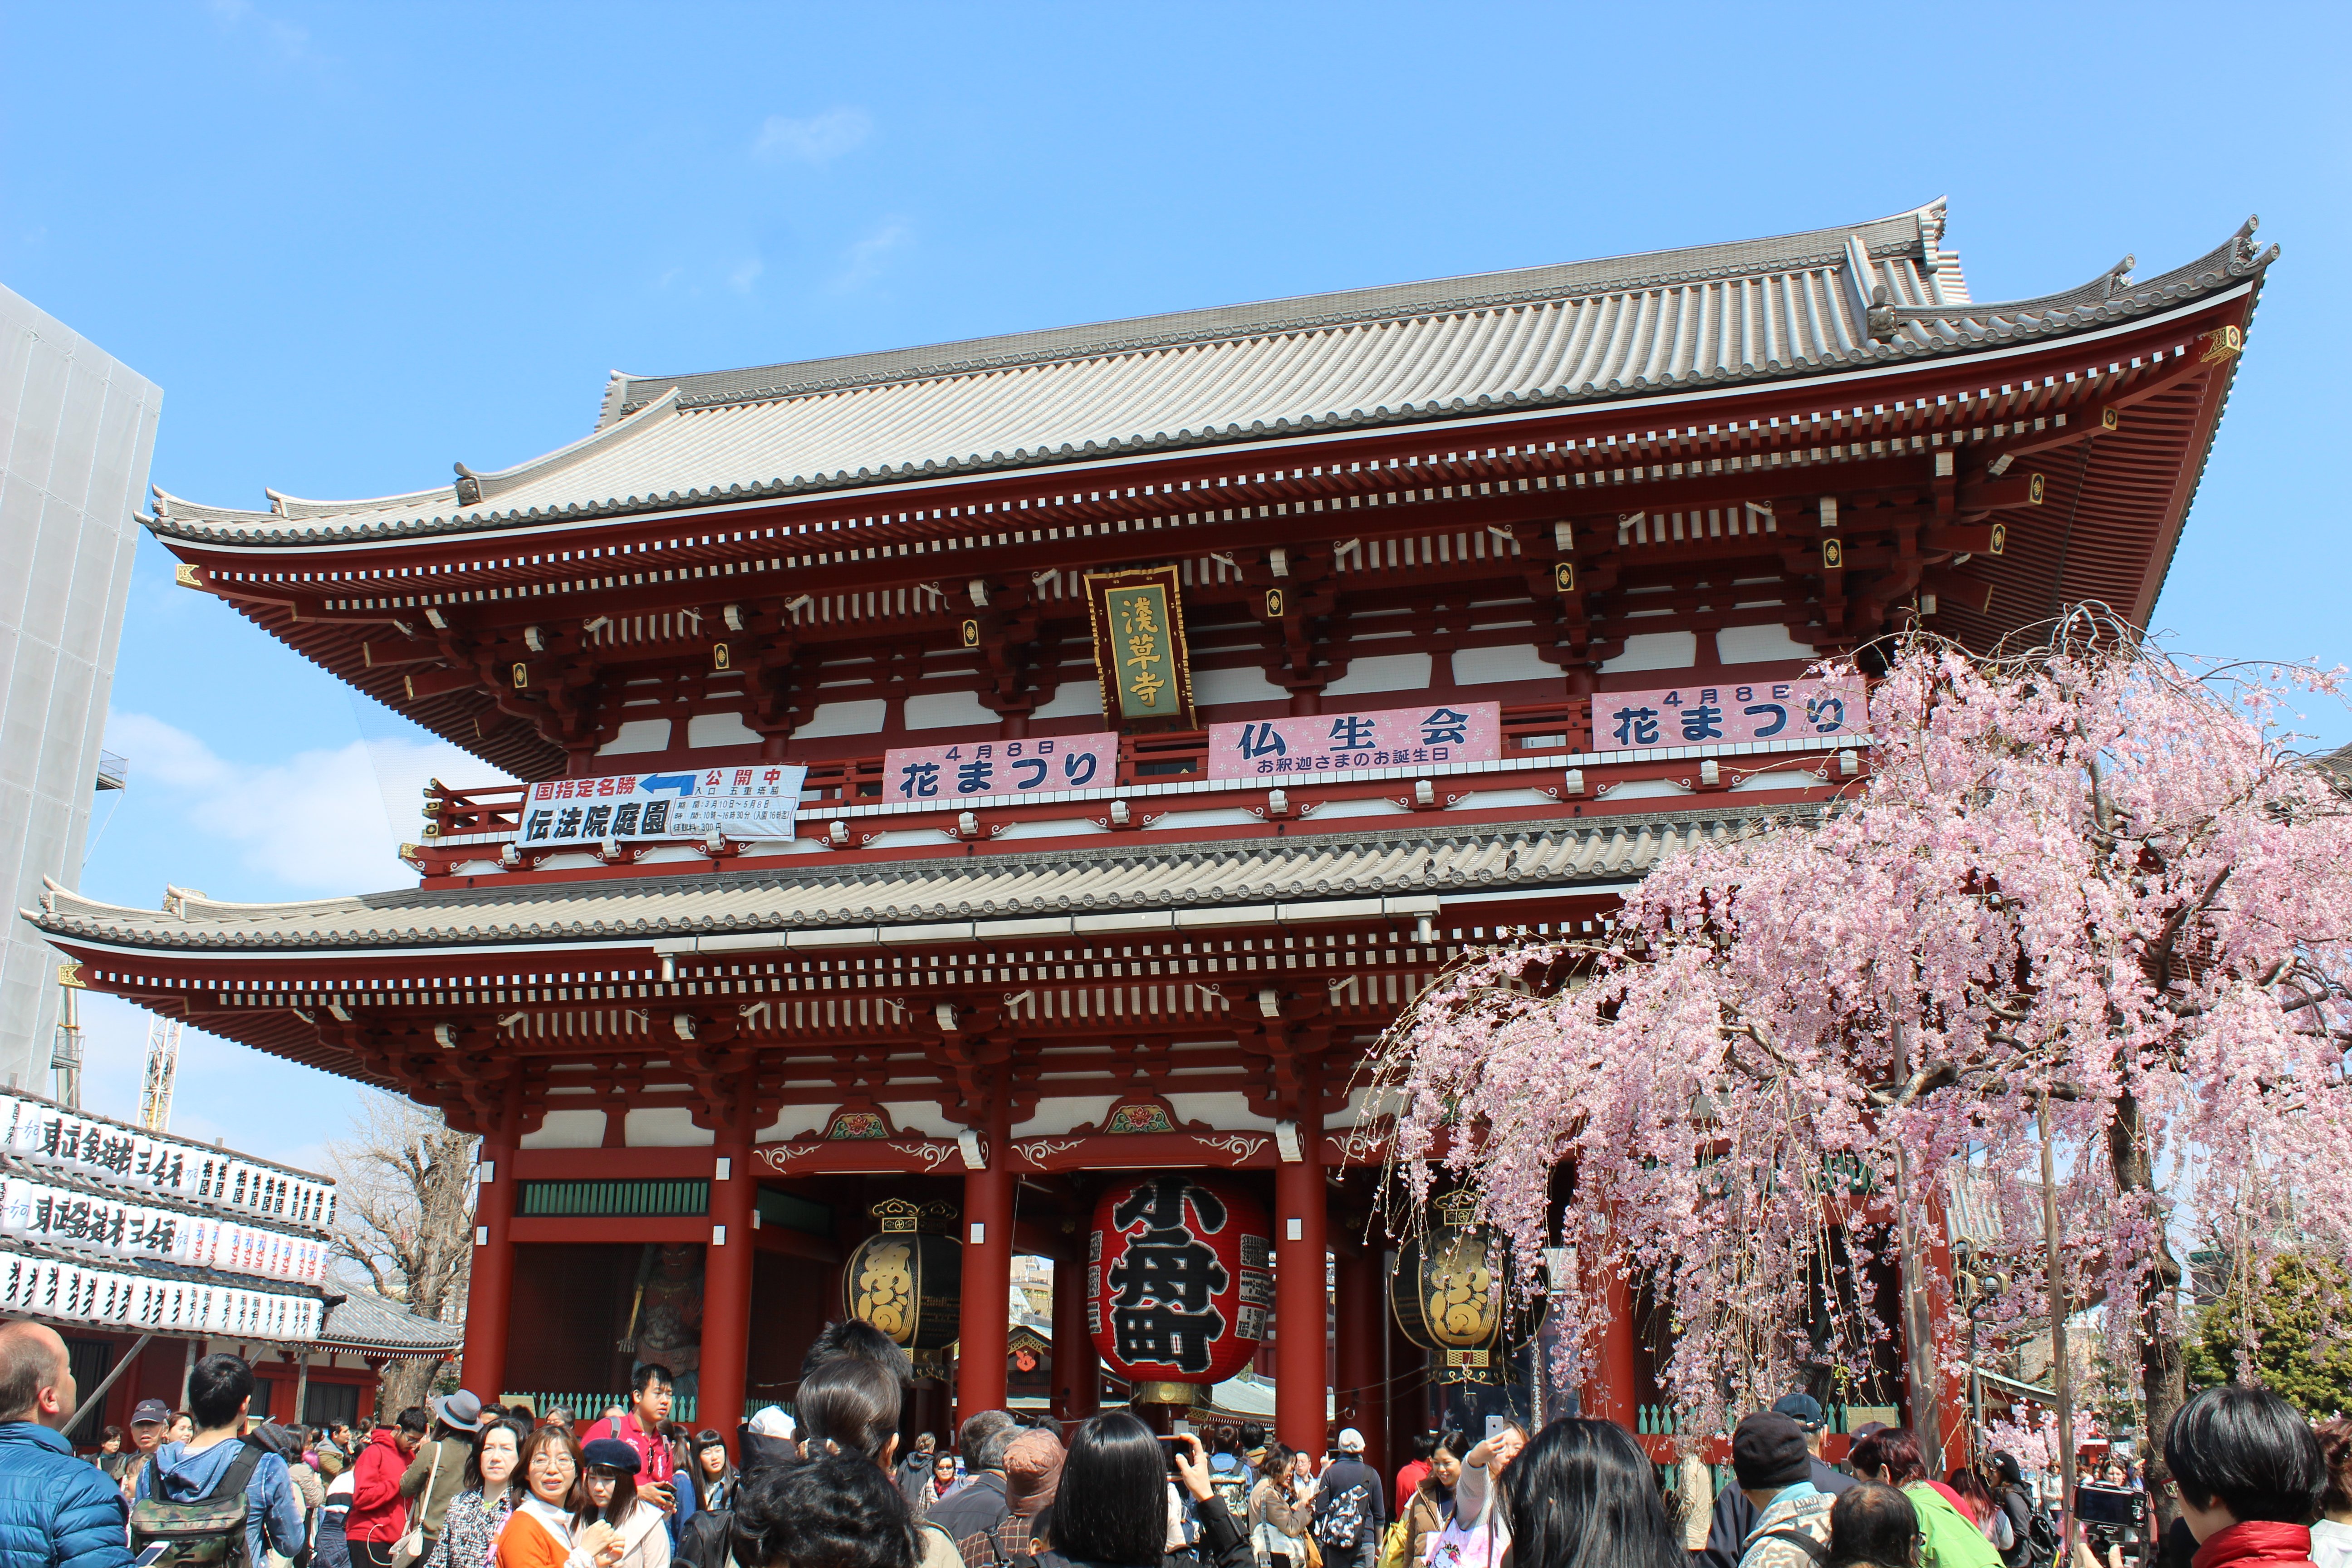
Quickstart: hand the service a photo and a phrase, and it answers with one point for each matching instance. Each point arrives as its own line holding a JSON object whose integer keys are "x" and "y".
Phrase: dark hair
{"x": 546, "y": 1437}
{"x": 2005, "y": 1464}
{"x": 474, "y": 1456}
{"x": 1872, "y": 1523}
{"x": 851, "y": 1402}
{"x": 1965, "y": 1480}
{"x": 1253, "y": 1435}
{"x": 1041, "y": 1525}
{"x": 2335, "y": 1436}
{"x": 1894, "y": 1450}
{"x": 217, "y": 1387}
{"x": 851, "y": 1336}
{"x": 112, "y": 1434}
{"x": 1449, "y": 1441}
{"x": 833, "y": 1513}
{"x": 414, "y": 1419}
{"x": 1585, "y": 1496}
{"x": 624, "y": 1498}
{"x": 2249, "y": 1449}
{"x": 982, "y": 1439}
{"x": 1112, "y": 1505}
{"x": 1272, "y": 1458}
{"x": 648, "y": 1374}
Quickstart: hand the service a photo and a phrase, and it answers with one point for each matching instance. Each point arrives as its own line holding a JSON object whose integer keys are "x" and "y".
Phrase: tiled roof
{"x": 1126, "y": 886}
{"x": 363, "y": 1320}
{"x": 1840, "y": 299}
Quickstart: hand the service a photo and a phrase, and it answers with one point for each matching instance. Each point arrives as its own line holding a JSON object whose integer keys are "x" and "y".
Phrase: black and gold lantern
{"x": 907, "y": 1280}
{"x": 1451, "y": 1294}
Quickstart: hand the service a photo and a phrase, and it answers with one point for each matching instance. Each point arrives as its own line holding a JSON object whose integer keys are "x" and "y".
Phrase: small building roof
{"x": 365, "y": 1323}
{"x": 1119, "y": 888}
{"x": 1831, "y": 300}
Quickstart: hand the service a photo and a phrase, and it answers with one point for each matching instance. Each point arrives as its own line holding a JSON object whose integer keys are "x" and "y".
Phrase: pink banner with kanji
{"x": 1000, "y": 767}
{"x": 1383, "y": 738}
{"x": 1728, "y": 714}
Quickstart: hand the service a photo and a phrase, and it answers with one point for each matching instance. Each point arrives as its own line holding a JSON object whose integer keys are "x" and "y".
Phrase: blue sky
{"x": 355, "y": 244}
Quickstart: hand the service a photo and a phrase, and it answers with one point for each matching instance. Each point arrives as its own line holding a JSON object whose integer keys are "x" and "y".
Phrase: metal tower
{"x": 162, "y": 1066}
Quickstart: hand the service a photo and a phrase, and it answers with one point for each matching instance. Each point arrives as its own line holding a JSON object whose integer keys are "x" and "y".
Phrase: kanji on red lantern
{"x": 1178, "y": 1278}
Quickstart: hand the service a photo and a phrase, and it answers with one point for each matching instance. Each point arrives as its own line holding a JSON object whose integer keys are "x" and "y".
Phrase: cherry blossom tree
{"x": 2086, "y": 886}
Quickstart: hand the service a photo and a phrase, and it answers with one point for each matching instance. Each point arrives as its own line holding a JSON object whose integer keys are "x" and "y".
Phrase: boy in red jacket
{"x": 379, "y": 1515}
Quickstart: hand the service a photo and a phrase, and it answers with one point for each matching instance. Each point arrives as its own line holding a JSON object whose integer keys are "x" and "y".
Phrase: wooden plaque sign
{"x": 1140, "y": 651}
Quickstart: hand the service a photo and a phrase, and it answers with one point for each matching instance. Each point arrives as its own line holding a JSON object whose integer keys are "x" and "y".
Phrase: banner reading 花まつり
{"x": 1039, "y": 766}
{"x": 1732, "y": 711}
{"x": 1383, "y": 738}
{"x": 761, "y": 801}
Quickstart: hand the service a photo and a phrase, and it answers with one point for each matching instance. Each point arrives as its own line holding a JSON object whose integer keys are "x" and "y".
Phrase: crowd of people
{"x": 454, "y": 1484}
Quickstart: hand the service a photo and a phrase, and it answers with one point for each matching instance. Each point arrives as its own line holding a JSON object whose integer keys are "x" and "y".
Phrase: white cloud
{"x": 819, "y": 139}
{"x": 290, "y": 43}
{"x": 863, "y": 260}
{"x": 325, "y": 820}
{"x": 744, "y": 273}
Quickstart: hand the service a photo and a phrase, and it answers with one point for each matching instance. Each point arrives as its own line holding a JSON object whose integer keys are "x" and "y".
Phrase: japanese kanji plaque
{"x": 1180, "y": 1275}
{"x": 1139, "y": 650}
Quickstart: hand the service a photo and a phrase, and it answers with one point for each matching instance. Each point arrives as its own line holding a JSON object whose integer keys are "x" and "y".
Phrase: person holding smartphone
{"x": 1112, "y": 1508}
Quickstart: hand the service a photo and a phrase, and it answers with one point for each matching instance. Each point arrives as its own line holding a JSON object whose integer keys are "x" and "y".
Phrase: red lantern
{"x": 1179, "y": 1279}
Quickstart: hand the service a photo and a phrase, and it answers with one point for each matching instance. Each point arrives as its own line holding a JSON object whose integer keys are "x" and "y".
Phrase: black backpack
{"x": 204, "y": 1533}
{"x": 1339, "y": 1519}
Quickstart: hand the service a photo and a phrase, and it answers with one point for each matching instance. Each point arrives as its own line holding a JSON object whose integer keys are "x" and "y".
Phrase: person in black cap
{"x": 608, "y": 1494}
{"x": 1735, "y": 1516}
{"x": 1773, "y": 1464}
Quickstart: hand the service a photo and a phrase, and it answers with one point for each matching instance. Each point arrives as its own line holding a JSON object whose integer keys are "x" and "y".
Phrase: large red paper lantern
{"x": 1178, "y": 1278}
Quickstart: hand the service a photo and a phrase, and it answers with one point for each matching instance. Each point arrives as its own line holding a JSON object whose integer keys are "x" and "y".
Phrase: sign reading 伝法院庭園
{"x": 1384, "y": 738}
{"x": 761, "y": 801}
{"x": 1728, "y": 713}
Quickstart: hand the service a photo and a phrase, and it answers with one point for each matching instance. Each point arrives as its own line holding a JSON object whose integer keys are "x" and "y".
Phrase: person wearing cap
{"x": 1735, "y": 1516}
{"x": 1351, "y": 1514}
{"x": 149, "y": 1421}
{"x": 1773, "y": 1465}
{"x": 1033, "y": 1474}
{"x": 436, "y": 1471}
{"x": 608, "y": 1495}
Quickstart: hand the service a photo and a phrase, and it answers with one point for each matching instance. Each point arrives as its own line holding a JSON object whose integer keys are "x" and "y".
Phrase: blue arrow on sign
{"x": 682, "y": 783}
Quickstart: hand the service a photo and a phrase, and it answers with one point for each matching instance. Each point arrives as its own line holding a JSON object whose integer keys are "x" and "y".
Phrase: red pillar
{"x": 1300, "y": 1302}
{"x": 984, "y": 1317}
{"x": 1612, "y": 1387}
{"x": 489, "y": 1293}
{"x": 1362, "y": 1300}
{"x": 1077, "y": 1368}
{"x": 727, "y": 1281}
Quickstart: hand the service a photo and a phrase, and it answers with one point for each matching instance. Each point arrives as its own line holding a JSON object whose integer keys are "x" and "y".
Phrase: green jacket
{"x": 1952, "y": 1539}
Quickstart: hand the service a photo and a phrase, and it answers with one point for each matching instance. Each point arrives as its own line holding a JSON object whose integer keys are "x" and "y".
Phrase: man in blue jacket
{"x": 55, "y": 1512}
{"x": 220, "y": 1391}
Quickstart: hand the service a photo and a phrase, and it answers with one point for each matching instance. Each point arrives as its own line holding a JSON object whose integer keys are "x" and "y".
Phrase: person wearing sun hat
{"x": 436, "y": 1471}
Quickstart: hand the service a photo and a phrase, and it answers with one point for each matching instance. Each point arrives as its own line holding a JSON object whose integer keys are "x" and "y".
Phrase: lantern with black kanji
{"x": 907, "y": 1280}
{"x": 1180, "y": 1275}
{"x": 1451, "y": 1293}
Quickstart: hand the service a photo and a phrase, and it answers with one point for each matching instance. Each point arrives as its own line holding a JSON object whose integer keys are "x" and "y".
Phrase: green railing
{"x": 614, "y": 1200}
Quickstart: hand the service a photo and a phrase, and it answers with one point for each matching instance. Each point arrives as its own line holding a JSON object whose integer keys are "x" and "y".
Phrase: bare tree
{"x": 404, "y": 1217}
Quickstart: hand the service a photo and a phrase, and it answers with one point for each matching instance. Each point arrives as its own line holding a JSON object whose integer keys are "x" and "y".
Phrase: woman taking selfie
{"x": 541, "y": 1533}
{"x": 469, "y": 1530}
{"x": 1111, "y": 1507}
{"x": 1431, "y": 1507}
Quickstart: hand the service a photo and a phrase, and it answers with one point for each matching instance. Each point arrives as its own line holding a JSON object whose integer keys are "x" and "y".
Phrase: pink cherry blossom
{"x": 2090, "y": 874}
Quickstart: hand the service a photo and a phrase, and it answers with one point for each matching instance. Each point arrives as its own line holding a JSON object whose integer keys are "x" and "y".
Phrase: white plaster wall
{"x": 665, "y": 1127}
{"x": 1075, "y": 698}
{"x": 1512, "y": 661}
{"x": 719, "y": 729}
{"x": 1382, "y": 672}
{"x": 567, "y": 1130}
{"x": 1758, "y": 645}
{"x": 860, "y": 718}
{"x": 637, "y": 735}
{"x": 1655, "y": 650}
{"x": 1213, "y": 687}
{"x": 941, "y": 710}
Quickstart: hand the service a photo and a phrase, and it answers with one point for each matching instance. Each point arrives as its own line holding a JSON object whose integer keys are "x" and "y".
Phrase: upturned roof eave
{"x": 1962, "y": 330}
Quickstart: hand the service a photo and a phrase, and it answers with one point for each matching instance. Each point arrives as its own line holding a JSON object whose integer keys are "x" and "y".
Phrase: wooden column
{"x": 727, "y": 1275}
{"x": 1360, "y": 1298}
{"x": 1078, "y": 1368}
{"x": 1612, "y": 1388}
{"x": 489, "y": 1293}
{"x": 984, "y": 1317}
{"x": 1300, "y": 1302}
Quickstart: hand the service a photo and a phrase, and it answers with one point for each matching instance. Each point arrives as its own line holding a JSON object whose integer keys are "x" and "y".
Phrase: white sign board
{"x": 50, "y": 1287}
{"x": 46, "y": 1134}
{"x": 745, "y": 803}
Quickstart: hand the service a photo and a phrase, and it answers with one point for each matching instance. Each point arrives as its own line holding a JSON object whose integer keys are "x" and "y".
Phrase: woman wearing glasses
{"x": 542, "y": 1533}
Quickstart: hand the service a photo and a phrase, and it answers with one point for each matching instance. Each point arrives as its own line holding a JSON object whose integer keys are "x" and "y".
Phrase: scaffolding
{"x": 163, "y": 1067}
{"x": 65, "y": 1052}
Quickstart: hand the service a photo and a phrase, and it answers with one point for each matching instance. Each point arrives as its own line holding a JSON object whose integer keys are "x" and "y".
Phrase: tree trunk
{"x": 403, "y": 1383}
{"x": 2163, "y": 1379}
